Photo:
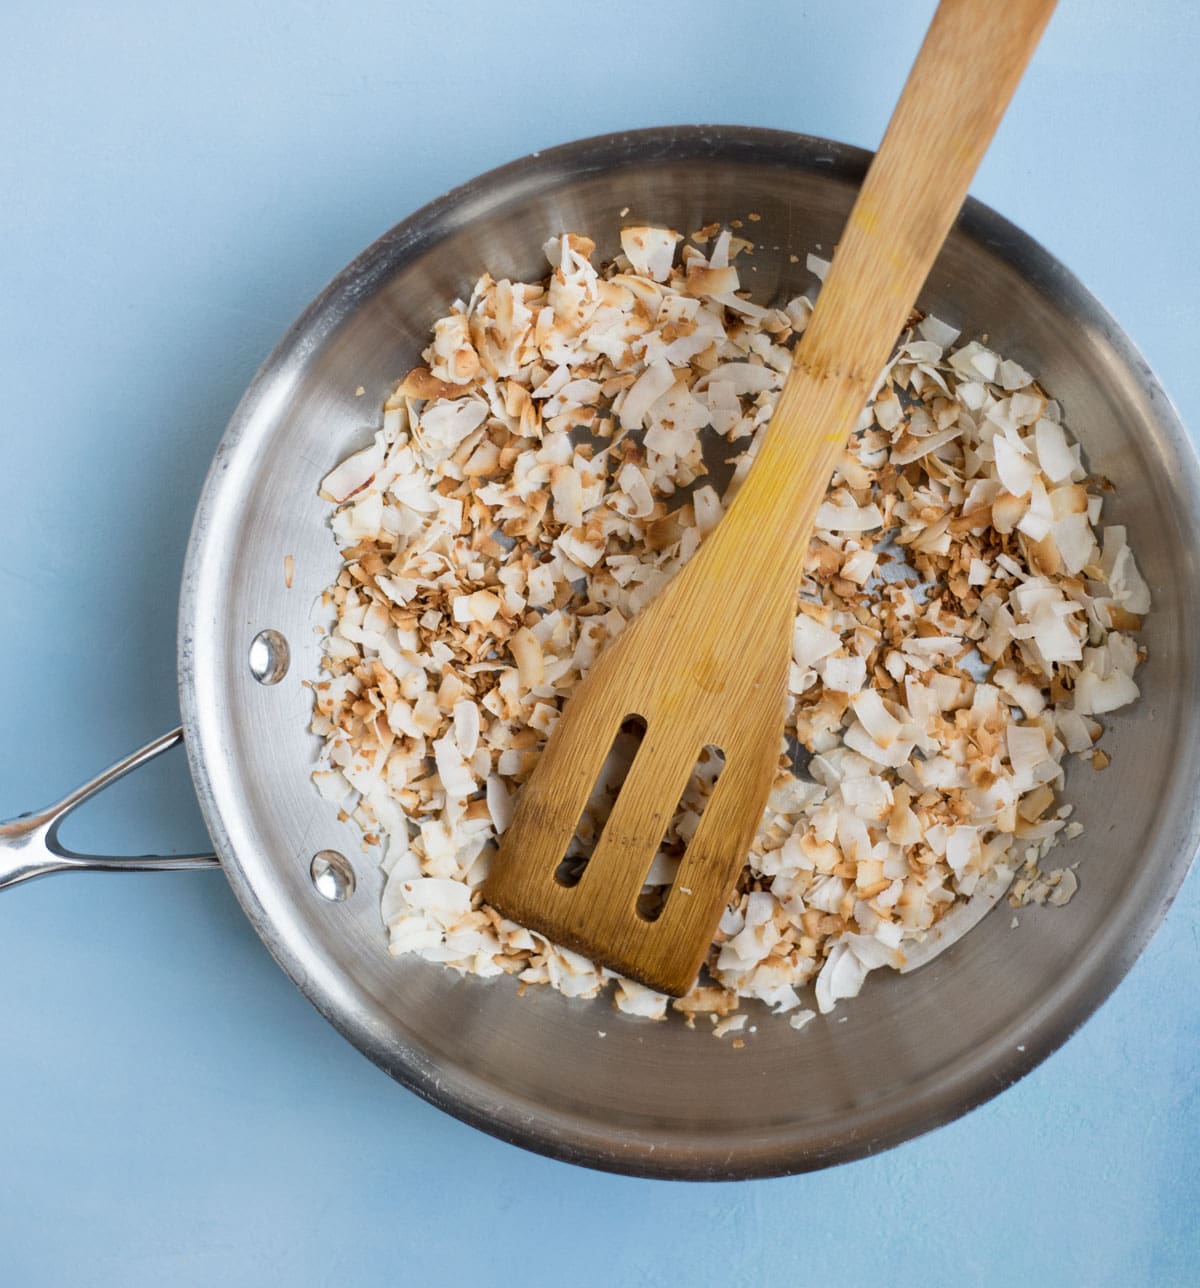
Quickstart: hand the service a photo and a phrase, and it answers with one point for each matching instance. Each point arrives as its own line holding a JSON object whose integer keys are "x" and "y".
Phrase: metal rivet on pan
{"x": 332, "y": 875}
{"x": 268, "y": 657}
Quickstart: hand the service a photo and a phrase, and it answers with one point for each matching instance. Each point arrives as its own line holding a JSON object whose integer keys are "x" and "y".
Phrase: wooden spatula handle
{"x": 967, "y": 69}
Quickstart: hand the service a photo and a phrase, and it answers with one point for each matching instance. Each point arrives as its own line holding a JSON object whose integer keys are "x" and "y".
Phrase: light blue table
{"x": 174, "y": 187}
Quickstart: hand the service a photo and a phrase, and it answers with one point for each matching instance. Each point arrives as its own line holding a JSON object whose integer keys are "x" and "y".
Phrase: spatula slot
{"x": 600, "y": 803}
{"x": 660, "y": 879}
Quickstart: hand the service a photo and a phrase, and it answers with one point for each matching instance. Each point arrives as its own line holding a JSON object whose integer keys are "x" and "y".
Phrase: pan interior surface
{"x": 575, "y": 1079}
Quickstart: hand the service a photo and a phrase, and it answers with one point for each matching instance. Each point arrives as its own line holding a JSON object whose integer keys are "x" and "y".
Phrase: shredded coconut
{"x": 963, "y": 620}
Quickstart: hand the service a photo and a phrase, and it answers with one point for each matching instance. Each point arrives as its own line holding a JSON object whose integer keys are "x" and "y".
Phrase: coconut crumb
{"x": 964, "y": 624}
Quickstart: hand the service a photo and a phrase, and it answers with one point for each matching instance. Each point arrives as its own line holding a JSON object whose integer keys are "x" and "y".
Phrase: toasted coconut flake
{"x": 702, "y": 279}
{"x": 566, "y": 489}
{"x": 480, "y": 607}
{"x": 331, "y": 784}
{"x": 444, "y": 424}
{"x": 527, "y": 653}
{"x": 636, "y": 999}
{"x": 651, "y": 251}
{"x": 354, "y": 473}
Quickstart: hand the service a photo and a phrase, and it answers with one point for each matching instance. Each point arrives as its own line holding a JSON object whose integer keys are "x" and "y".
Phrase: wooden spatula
{"x": 706, "y": 662}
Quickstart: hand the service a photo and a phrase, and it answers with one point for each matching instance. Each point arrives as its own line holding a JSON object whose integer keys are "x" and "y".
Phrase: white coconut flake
{"x": 937, "y": 331}
{"x": 466, "y": 727}
{"x": 848, "y": 518}
{"x": 453, "y": 769}
{"x": 1015, "y": 470}
{"x": 1096, "y": 695}
{"x": 1012, "y": 375}
{"x": 1121, "y": 572}
{"x": 843, "y": 674}
{"x": 742, "y": 377}
{"x": 1055, "y": 455}
{"x": 707, "y": 506}
{"x": 879, "y": 723}
{"x": 654, "y": 381}
{"x": 1064, "y": 891}
{"x": 842, "y": 976}
{"x": 811, "y": 641}
{"x": 499, "y": 803}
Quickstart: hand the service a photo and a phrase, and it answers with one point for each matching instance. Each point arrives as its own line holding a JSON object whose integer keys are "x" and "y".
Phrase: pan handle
{"x": 29, "y": 845}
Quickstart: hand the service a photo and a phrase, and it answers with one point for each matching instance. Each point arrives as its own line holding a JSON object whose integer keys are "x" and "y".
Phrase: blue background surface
{"x": 176, "y": 182}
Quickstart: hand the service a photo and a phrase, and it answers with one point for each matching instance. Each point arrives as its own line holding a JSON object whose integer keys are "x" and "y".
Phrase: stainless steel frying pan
{"x": 575, "y": 1079}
